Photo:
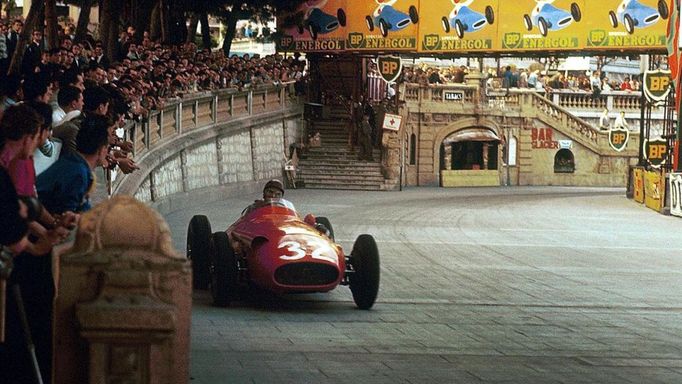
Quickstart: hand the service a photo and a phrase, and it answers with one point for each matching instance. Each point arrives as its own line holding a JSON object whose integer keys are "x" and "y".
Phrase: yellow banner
{"x": 316, "y": 26}
{"x": 653, "y": 190}
{"x": 459, "y": 26}
{"x": 383, "y": 25}
{"x": 626, "y": 24}
{"x": 639, "y": 184}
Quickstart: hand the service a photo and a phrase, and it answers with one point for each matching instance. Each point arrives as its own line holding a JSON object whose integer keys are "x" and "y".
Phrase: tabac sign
{"x": 390, "y": 68}
{"x": 657, "y": 85}
{"x": 618, "y": 138}
{"x": 656, "y": 151}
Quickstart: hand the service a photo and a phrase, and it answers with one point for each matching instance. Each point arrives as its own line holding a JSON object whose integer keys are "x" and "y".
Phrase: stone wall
{"x": 234, "y": 152}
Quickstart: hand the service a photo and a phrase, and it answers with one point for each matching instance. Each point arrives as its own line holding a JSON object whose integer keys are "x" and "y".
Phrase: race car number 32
{"x": 317, "y": 249}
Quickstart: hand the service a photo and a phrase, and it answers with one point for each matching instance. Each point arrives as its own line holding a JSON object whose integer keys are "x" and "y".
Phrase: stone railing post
{"x": 124, "y": 300}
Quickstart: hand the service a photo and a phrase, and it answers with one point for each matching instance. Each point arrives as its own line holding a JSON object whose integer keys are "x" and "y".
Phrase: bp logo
{"x": 656, "y": 151}
{"x": 286, "y": 42}
{"x": 390, "y": 67}
{"x": 511, "y": 40}
{"x": 618, "y": 138}
{"x": 657, "y": 85}
{"x": 431, "y": 42}
{"x": 597, "y": 38}
{"x": 355, "y": 40}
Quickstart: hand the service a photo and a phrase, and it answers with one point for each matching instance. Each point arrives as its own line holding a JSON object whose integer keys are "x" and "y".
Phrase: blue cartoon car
{"x": 319, "y": 23}
{"x": 388, "y": 18}
{"x": 464, "y": 19}
{"x": 547, "y": 17}
{"x": 634, "y": 14}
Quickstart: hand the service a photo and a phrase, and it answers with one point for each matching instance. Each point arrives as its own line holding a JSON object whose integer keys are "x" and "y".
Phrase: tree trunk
{"x": 155, "y": 23}
{"x": 83, "y": 20}
{"x": 231, "y": 30}
{"x": 144, "y": 18}
{"x": 51, "y": 19}
{"x": 164, "y": 14}
{"x": 33, "y": 15}
{"x": 192, "y": 29}
{"x": 105, "y": 22}
{"x": 205, "y": 30}
{"x": 111, "y": 44}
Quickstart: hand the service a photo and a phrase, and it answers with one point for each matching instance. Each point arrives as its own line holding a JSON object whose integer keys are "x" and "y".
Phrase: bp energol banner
{"x": 316, "y": 26}
{"x": 622, "y": 24}
{"x": 459, "y": 26}
{"x": 383, "y": 25}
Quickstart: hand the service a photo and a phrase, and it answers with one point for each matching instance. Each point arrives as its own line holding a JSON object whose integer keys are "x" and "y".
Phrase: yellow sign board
{"x": 639, "y": 184}
{"x": 316, "y": 26}
{"x": 383, "y": 25}
{"x": 459, "y": 26}
{"x": 626, "y": 24}
{"x": 653, "y": 190}
{"x": 530, "y": 25}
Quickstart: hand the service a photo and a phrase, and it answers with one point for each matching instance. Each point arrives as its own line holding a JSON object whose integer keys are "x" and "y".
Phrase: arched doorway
{"x": 469, "y": 157}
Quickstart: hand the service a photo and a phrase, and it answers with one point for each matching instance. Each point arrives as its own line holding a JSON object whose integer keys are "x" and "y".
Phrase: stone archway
{"x": 468, "y": 153}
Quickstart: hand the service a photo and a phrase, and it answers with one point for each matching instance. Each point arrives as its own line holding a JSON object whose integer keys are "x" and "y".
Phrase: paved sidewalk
{"x": 484, "y": 285}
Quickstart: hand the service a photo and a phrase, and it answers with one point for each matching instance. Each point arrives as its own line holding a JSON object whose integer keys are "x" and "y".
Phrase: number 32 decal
{"x": 296, "y": 250}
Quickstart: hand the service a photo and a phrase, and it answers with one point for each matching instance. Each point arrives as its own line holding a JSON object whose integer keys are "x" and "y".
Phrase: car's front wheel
{"x": 663, "y": 9}
{"x": 613, "y": 18}
{"x": 629, "y": 24}
{"x": 370, "y": 23}
{"x": 364, "y": 281}
{"x": 489, "y": 14}
{"x": 341, "y": 15}
{"x": 528, "y": 22}
{"x": 224, "y": 270}
{"x": 198, "y": 244}
{"x": 575, "y": 12}
{"x": 414, "y": 14}
{"x": 543, "y": 26}
{"x": 459, "y": 29}
{"x": 321, "y": 220}
{"x": 383, "y": 27}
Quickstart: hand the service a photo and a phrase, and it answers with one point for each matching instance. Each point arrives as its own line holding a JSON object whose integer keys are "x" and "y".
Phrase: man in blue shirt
{"x": 65, "y": 186}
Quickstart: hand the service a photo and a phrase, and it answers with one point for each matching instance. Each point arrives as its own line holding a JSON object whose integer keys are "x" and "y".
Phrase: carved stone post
{"x": 124, "y": 300}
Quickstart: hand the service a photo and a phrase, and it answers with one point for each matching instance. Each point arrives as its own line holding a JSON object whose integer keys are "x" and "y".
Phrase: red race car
{"x": 271, "y": 247}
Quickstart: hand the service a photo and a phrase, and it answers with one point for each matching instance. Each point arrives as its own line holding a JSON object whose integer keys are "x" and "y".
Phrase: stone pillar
{"x": 124, "y": 300}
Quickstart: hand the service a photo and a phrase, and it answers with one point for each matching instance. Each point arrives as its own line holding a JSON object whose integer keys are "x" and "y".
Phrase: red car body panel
{"x": 283, "y": 253}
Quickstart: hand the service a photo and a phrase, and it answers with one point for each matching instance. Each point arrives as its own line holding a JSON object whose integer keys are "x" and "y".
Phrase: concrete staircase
{"x": 334, "y": 165}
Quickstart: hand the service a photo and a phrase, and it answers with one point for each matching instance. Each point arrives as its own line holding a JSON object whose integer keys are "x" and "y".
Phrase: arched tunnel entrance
{"x": 470, "y": 158}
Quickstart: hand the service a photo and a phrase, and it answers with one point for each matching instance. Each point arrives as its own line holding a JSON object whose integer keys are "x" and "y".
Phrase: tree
{"x": 51, "y": 34}
{"x": 33, "y": 15}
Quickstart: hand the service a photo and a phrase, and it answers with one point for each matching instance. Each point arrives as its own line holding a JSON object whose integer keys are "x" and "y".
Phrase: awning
{"x": 472, "y": 134}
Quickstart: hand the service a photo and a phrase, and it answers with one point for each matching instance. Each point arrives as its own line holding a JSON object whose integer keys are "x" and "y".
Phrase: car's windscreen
{"x": 280, "y": 203}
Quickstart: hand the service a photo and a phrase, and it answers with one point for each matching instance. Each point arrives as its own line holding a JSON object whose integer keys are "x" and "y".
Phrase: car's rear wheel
{"x": 489, "y": 14}
{"x": 327, "y": 224}
{"x": 629, "y": 24}
{"x": 364, "y": 281}
{"x": 663, "y": 9}
{"x": 383, "y": 27}
{"x": 224, "y": 270}
{"x": 370, "y": 23}
{"x": 613, "y": 18}
{"x": 528, "y": 22}
{"x": 575, "y": 12}
{"x": 446, "y": 24}
{"x": 542, "y": 25}
{"x": 414, "y": 14}
{"x": 341, "y": 15}
{"x": 198, "y": 245}
{"x": 459, "y": 29}
{"x": 312, "y": 28}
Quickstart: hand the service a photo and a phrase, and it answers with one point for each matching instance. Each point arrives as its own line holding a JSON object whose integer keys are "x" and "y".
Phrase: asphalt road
{"x": 478, "y": 285}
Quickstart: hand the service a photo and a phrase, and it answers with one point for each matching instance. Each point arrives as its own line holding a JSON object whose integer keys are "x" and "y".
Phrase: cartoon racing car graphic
{"x": 464, "y": 19}
{"x": 317, "y": 22}
{"x": 547, "y": 17}
{"x": 271, "y": 247}
{"x": 634, "y": 14}
{"x": 387, "y": 18}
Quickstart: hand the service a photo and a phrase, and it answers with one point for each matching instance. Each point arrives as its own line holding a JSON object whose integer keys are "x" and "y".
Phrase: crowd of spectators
{"x": 61, "y": 118}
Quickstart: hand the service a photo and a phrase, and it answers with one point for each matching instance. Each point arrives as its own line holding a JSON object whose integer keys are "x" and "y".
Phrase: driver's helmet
{"x": 274, "y": 183}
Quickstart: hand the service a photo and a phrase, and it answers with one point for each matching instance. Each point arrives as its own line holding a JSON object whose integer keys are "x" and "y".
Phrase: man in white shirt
{"x": 620, "y": 121}
{"x": 70, "y": 100}
{"x": 604, "y": 121}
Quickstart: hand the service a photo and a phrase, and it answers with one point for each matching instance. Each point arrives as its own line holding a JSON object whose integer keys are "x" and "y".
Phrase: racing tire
{"x": 313, "y": 31}
{"x": 629, "y": 24}
{"x": 614, "y": 19}
{"x": 370, "y": 23}
{"x": 459, "y": 29}
{"x": 446, "y": 24}
{"x": 663, "y": 9}
{"x": 528, "y": 22}
{"x": 543, "y": 27}
{"x": 414, "y": 14}
{"x": 341, "y": 16}
{"x": 224, "y": 270}
{"x": 198, "y": 248}
{"x": 325, "y": 221}
{"x": 383, "y": 27}
{"x": 575, "y": 12}
{"x": 364, "y": 281}
{"x": 489, "y": 14}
